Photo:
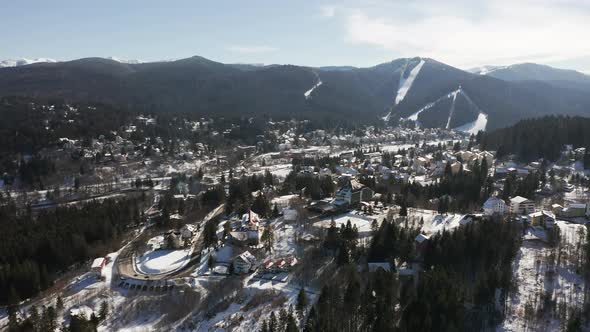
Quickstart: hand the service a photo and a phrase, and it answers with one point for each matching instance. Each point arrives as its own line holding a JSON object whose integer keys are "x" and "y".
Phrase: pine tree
{"x": 59, "y": 304}
{"x": 13, "y": 321}
{"x": 264, "y": 326}
{"x": 267, "y": 238}
{"x": 49, "y": 320}
{"x": 104, "y": 310}
{"x": 291, "y": 325}
{"x": 403, "y": 212}
{"x": 343, "y": 255}
{"x": 301, "y": 300}
{"x": 272, "y": 323}
{"x": 34, "y": 317}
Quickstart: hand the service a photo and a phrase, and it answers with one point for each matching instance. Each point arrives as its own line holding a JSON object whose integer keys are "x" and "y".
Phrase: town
{"x": 232, "y": 230}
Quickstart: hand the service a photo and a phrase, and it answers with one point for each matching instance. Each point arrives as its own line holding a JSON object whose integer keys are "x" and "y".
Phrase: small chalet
{"x": 494, "y": 206}
{"x": 244, "y": 263}
{"x": 353, "y": 193}
{"x": 542, "y": 218}
{"x": 97, "y": 265}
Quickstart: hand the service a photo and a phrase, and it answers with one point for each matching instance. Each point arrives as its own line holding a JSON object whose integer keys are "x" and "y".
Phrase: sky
{"x": 461, "y": 33}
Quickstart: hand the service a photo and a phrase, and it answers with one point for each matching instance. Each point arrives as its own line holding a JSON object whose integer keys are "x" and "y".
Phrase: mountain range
{"x": 422, "y": 90}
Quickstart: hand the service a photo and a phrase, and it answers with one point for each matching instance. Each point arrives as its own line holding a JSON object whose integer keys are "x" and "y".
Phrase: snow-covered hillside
{"x": 544, "y": 281}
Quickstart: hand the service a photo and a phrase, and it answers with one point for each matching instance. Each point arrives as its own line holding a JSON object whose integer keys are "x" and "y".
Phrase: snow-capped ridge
{"x": 485, "y": 70}
{"x": 24, "y": 62}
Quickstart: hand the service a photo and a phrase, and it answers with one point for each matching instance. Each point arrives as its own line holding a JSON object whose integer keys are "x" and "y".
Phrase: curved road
{"x": 125, "y": 264}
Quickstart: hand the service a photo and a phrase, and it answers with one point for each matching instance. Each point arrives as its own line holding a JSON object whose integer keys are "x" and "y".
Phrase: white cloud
{"x": 466, "y": 34}
{"x": 251, "y": 49}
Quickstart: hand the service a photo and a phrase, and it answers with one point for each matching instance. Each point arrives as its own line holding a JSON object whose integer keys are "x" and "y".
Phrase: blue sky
{"x": 462, "y": 33}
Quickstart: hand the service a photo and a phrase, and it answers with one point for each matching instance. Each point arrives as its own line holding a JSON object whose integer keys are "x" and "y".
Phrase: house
{"x": 494, "y": 206}
{"x": 573, "y": 210}
{"x": 500, "y": 172}
{"x": 421, "y": 244}
{"x": 542, "y": 218}
{"x": 172, "y": 240}
{"x": 279, "y": 265}
{"x": 286, "y": 264}
{"x": 187, "y": 231}
{"x": 97, "y": 265}
{"x": 353, "y": 193}
{"x": 221, "y": 269}
{"x": 290, "y": 214}
{"x": 251, "y": 220}
{"x": 556, "y": 209}
{"x": 244, "y": 263}
{"x": 521, "y": 205}
{"x": 376, "y": 266}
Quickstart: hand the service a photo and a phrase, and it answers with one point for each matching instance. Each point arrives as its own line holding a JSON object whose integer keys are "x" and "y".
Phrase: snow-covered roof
{"x": 247, "y": 257}
{"x": 98, "y": 262}
{"x": 422, "y": 237}
{"x": 490, "y": 202}
{"x": 386, "y": 266}
{"x": 518, "y": 199}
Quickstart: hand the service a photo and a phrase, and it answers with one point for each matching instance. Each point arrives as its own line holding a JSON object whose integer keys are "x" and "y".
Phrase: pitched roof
{"x": 518, "y": 199}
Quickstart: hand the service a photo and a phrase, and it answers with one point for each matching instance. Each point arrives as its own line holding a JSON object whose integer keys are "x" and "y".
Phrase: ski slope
{"x": 406, "y": 83}
{"x": 452, "y": 110}
{"x": 404, "y": 86}
{"x": 386, "y": 118}
{"x": 307, "y": 94}
{"x": 474, "y": 127}
{"x": 414, "y": 116}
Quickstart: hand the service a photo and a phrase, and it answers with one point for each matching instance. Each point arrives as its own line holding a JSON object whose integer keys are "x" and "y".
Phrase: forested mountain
{"x": 447, "y": 96}
{"x": 539, "y": 138}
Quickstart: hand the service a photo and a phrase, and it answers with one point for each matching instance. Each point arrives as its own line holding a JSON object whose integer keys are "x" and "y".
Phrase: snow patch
{"x": 162, "y": 261}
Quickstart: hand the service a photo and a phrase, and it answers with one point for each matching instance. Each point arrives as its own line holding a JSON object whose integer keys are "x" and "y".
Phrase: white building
{"x": 494, "y": 206}
{"x": 244, "y": 263}
{"x": 521, "y": 205}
